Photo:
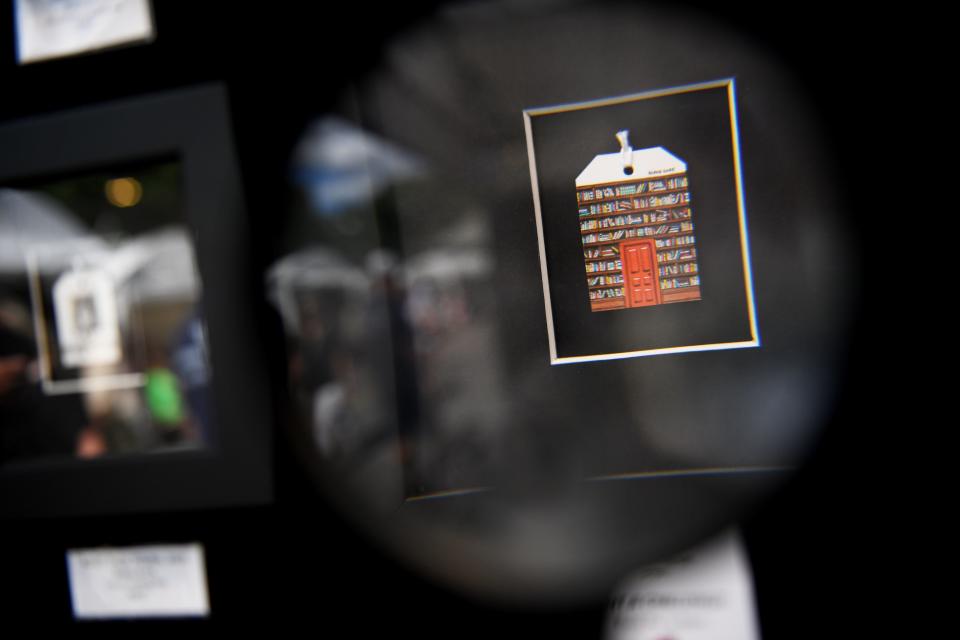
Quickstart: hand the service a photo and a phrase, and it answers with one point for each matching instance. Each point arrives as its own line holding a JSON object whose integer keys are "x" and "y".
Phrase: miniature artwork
{"x": 636, "y": 227}
{"x": 659, "y": 260}
{"x": 86, "y": 318}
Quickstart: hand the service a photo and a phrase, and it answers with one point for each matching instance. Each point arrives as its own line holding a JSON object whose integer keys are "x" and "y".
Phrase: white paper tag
{"x": 706, "y": 594}
{"x": 88, "y": 328}
{"x": 57, "y": 28}
{"x": 138, "y": 582}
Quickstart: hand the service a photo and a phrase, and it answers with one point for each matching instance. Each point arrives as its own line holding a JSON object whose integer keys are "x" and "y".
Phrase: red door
{"x": 641, "y": 283}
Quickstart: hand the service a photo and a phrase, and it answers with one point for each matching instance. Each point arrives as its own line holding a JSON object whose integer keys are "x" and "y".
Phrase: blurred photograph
{"x": 104, "y": 347}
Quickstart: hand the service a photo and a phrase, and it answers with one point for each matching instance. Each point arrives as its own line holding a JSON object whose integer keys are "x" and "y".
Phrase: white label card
{"x": 57, "y": 28}
{"x": 705, "y": 594}
{"x": 138, "y": 582}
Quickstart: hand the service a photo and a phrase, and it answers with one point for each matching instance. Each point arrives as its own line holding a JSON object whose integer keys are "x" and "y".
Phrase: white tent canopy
{"x": 28, "y": 220}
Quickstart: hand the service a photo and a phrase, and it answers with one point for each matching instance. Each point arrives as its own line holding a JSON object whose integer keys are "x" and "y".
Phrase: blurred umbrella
{"x": 311, "y": 269}
{"x": 341, "y": 166}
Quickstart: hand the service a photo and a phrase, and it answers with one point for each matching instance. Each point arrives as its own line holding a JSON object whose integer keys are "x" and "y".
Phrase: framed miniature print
{"x": 87, "y": 338}
{"x": 122, "y": 341}
{"x": 641, "y": 224}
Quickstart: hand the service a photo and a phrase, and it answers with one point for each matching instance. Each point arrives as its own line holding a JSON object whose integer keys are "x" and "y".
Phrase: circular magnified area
{"x": 567, "y": 290}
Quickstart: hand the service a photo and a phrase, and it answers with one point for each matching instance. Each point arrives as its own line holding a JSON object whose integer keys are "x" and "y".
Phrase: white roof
{"x": 647, "y": 163}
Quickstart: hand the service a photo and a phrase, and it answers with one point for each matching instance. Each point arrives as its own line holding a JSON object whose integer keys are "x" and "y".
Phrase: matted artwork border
{"x": 528, "y": 116}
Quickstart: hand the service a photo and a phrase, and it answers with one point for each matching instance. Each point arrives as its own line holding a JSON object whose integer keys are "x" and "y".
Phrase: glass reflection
{"x": 414, "y": 299}
{"x": 103, "y": 341}
{"x": 394, "y": 342}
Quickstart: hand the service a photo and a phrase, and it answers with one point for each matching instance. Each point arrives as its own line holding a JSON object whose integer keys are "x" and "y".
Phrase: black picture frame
{"x": 234, "y": 468}
{"x": 698, "y": 123}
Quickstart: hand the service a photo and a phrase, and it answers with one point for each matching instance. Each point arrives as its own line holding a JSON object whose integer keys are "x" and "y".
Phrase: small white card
{"x": 138, "y": 582}
{"x": 57, "y": 28}
{"x": 705, "y": 594}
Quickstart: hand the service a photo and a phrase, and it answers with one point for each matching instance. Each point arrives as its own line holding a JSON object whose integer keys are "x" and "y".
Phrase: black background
{"x": 827, "y": 553}
{"x": 695, "y": 127}
{"x": 192, "y": 125}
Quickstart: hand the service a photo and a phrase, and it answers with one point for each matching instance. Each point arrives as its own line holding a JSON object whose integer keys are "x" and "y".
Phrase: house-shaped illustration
{"x": 636, "y": 226}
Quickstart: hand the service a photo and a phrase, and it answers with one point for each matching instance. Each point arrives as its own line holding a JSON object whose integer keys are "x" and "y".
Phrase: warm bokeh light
{"x": 123, "y": 192}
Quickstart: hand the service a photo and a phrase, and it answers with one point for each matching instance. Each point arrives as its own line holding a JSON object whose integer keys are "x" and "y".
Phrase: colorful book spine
{"x": 678, "y": 268}
{"x": 679, "y": 283}
{"x": 605, "y": 280}
{"x": 674, "y": 242}
{"x": 636, "y": 204}
{"x": 678, "y": 255}
{"x": 603, "y": 294}
{"x": 633, "y": 188}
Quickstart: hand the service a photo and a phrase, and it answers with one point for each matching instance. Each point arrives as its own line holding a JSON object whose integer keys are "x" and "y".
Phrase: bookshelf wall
{"x": 647, "y": 220}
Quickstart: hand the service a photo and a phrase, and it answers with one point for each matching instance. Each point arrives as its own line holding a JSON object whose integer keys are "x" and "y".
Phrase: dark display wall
{"x": 296, "y": 560}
